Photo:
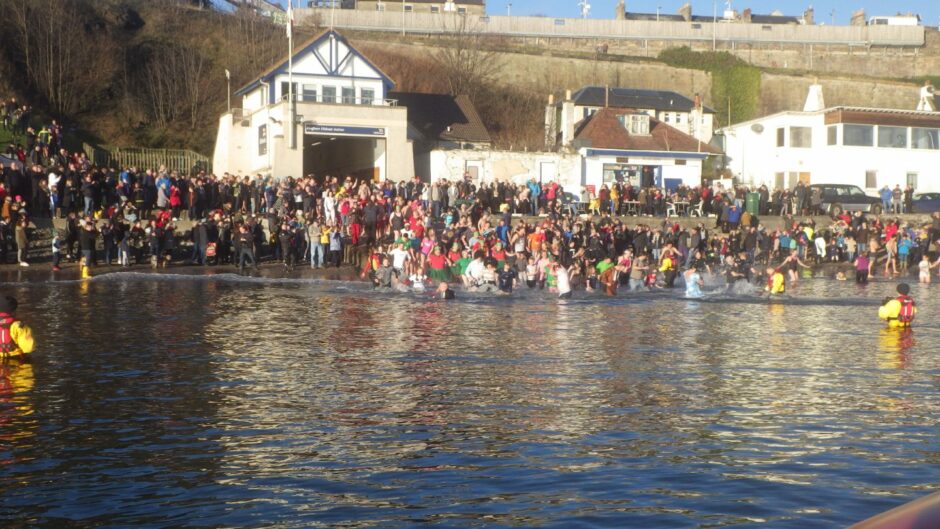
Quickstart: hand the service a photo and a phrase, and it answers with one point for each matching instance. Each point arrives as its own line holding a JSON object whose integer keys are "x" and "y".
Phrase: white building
{"x": 676, "y": 110}
{"x": 609, "y": 145}
{"x": 342, "y": 122}
{"x": 866, "y": 147}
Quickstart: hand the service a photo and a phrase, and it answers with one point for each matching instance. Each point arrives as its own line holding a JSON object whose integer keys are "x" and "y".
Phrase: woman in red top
{"x": 438, "y": 265}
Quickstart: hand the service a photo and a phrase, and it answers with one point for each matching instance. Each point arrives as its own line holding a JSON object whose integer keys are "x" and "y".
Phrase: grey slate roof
{"x": 664, "y": 100}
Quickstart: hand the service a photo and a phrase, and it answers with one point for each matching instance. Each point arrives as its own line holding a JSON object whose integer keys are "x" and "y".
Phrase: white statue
{"x": 926, "y": 102}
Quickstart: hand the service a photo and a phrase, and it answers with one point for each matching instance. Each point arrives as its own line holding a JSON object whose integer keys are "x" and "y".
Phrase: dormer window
{"x": 636, "y": 124}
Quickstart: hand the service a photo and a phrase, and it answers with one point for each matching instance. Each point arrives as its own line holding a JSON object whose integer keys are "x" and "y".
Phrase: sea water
{"x": 208, "y": 401}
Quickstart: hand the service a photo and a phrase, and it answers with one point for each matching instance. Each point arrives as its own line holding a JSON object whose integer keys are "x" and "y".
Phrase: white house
{"x": 341, "y": 122}
{"x": 867, "y": 147}
{"x": 686, "y": 115}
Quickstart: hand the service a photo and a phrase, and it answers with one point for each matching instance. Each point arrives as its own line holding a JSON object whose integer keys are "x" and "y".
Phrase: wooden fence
{"x": 182, "y": 161}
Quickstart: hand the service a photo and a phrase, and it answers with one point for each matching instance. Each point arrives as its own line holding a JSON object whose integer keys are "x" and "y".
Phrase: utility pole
{"x": 508, "y": 9}
{"x": 714, "y": 25}
{"x": 290, "y": 74}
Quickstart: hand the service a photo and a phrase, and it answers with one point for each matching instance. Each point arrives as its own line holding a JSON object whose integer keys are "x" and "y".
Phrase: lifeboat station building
{"x": 340, "y": 121}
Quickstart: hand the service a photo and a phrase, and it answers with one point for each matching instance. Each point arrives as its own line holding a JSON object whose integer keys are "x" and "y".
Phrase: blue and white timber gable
{"x": 326, "y": 69}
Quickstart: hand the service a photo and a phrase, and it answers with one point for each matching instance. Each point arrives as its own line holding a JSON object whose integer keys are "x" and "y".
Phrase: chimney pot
{"x": 567, "y": 95}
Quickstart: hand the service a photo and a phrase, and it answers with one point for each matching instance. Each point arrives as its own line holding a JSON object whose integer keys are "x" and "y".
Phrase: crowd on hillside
{"x": 446, "y": 231}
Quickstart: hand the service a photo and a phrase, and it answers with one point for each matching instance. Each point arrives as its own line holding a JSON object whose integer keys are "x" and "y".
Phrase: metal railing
{"x": 449, "y": 23}
{"x": 341, "y": 100}
{"x": 180, "y": 160}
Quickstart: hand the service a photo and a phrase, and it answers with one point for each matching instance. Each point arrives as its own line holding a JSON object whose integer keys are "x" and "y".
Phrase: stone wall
{"x": 874, "y": 61}
{"x": 779, "y": 91}
{"x": 550, "y": 74}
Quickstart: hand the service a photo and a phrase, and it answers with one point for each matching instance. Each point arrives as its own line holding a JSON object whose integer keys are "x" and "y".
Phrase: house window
{"x": 858, "y": 135}
{"x": 912, "y": 180}
{"x": 329, "y": 94}
{"x": 779, "y": 180}
{"x": 461, "y": 10}
{"x": 262, "y": 140}
{"x": 380, "y": 6}
{"x": 435, "y": 9}
{"x": 801, "y": 137}
{"x": 368, "y": 96}
{"x": 871, "y": 179}
{"x": 781, "y": 137}
{"x": 640, "y": 124}
{"x": 892, "y": 137}
{"x": 409, "y": 8}
{"x": 309, "y": 93}
{"x": 678, "y": 119}
{"x": 349, "y": 95}
{"x": 792, "y": 179}
{"x": 680, "y": 162}
{"x": 832, "y": 135}
{"x": 925, "y": 138}
{"x": 285, "y": 90}
{"x": 666, "y": 117}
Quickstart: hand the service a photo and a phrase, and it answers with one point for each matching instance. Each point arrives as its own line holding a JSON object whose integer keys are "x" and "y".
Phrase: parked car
{"x": 925, "y": 203}
{"x": 837, "y": 198}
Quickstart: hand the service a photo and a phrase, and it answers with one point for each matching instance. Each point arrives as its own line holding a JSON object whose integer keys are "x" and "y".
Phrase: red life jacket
{"x": 7, "y": 345}
{"x": 906, "y": 314}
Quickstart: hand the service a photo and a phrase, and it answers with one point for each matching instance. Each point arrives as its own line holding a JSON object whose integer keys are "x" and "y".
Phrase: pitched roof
{"x": 603, "y": 130}
{"x": 304, "y": 48}
{"x": 443, "y": 117}
{"x": 634, "y": 98}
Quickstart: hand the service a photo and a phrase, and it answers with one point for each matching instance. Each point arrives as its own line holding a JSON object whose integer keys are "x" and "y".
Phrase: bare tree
{"x": 464, "y": 61}
{"x": 64, "y": 58}
{"x": 180, "y": 84}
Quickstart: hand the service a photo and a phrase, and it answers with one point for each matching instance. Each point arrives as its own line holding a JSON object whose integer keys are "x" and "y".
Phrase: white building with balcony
{"x": 340, "y": 123}
{"x": 867, "y": 147}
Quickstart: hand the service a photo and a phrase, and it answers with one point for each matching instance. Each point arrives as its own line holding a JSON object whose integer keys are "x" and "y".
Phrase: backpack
{"x": 906, "y": 314}
{"x": 7, "y": 345}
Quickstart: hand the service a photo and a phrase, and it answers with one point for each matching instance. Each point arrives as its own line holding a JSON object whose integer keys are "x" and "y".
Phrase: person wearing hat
{"x": 900, "y": 311}
{"x": 16, "y": 338}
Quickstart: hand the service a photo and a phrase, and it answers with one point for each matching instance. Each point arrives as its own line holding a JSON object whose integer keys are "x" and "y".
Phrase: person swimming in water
{"x": 693, "y": 283}
{"x": 444, "y": 291}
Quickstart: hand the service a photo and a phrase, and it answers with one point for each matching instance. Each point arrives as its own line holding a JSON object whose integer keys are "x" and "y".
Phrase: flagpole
{"x": 290, "y": 73}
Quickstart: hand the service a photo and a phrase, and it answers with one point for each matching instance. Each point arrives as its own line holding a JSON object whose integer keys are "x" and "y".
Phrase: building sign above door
{"x": 338, "y": 130}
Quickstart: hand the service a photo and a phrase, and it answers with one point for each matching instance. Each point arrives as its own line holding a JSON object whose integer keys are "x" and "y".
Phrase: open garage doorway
{"x": 360, "y": 157}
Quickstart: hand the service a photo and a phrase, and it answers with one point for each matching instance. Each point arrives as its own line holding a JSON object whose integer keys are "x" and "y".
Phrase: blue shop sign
{"x": 338, "y": 130}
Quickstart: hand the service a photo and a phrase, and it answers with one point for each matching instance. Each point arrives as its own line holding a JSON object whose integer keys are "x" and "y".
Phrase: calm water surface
{"x": 219, "y": 402}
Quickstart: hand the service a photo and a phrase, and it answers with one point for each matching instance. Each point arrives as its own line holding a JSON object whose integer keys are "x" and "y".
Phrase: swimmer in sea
{"x": 693, "y": 283}
{"x": 444, "y": 291}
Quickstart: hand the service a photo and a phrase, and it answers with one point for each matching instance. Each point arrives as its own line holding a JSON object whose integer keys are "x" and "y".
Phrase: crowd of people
{"x": 497, "y": 236}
